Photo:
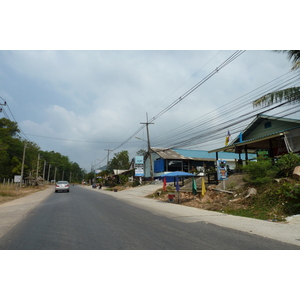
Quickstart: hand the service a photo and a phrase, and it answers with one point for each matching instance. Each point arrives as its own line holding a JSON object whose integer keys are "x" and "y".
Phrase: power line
{"x": 206, "y": 123}
{"x": 7, "y": 117}
{"x": 72, "y": 140}
{"x": 183, "y": 96}
{"x": 187, "y": 93}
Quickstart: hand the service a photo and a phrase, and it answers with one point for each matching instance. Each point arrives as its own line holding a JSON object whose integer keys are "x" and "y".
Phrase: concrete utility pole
{"x": 23, "y": 161}
{"x": 108, "y": 150}
{"x": 48, "y": 173}
{"x": 149, "y": 147}
{"x": 55, "y": 174}
{"x": 44, "y": 171}
{"x": 37, "y": 168}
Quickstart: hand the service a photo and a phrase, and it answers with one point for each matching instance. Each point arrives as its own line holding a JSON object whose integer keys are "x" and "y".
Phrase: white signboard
{"x": 17, "y": 178}
{"x": 139, "y": 166}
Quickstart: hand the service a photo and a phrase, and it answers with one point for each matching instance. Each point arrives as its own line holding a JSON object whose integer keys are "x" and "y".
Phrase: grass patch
{"x": 12, "y": 192}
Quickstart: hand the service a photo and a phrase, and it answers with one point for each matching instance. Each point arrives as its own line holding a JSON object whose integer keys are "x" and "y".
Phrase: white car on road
{"x": 62, "y": 186}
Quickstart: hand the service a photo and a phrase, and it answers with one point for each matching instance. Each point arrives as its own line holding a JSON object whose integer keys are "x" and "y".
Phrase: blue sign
{"x": 222, "y": 170}
{"x": 139, "y": 160}
{"x": 139, "y": 166}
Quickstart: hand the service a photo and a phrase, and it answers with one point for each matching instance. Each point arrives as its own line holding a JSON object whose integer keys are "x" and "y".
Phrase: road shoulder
{"x": 12, "y": 212}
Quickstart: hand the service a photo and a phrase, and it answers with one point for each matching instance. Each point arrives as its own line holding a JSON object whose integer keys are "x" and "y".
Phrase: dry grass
{"x": 12, "y": 192}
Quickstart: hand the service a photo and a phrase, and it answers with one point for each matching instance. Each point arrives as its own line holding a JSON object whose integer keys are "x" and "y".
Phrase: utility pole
{"x": 23, "y": 161}
{"x": 108, "y": 150}
{"x": 44, "y": 171}
{"x": 55, "y": 175}
{"x": 48, "y": 173}
{"x": 37, "y": 168}
{"x": 3, "y": 104}
{"x": 149, "y": 147}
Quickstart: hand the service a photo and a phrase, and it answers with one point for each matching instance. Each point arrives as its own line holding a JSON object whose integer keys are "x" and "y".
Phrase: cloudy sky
{"x": 80, "y": 103}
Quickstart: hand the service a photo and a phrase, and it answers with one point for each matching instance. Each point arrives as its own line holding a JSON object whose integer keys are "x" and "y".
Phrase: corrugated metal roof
{"x": 168, "y": 153}
{"x": 205, "y": 155}
{"x": 196, "y": 154}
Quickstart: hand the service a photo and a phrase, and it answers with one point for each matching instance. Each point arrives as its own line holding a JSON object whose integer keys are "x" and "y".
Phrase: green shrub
{"x": 135, "y": 183}
{"x": 286, "y": 164}
{"x": 123, "y": 179}
{"x": 260, "y": 172}
{"x": 286, "y": 195}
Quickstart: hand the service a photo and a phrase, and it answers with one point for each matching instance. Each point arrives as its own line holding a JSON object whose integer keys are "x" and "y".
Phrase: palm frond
{"x": 291, "y": 95}
{"x": 293, "y": 56}
{"x": 296, "y": 66}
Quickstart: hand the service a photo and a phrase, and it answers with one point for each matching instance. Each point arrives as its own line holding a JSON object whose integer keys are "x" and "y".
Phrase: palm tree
{"x": 294, "y": 56}
{"x": 291, "y": 95}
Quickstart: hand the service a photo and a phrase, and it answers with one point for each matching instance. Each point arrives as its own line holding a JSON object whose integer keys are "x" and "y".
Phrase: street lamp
{"x": 140, "y": 139}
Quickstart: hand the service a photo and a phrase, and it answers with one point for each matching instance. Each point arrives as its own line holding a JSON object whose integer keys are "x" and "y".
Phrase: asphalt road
{"x": 83, "y": 219}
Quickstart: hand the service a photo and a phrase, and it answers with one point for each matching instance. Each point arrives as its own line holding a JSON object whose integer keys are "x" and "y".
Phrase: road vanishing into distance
{"x": 87, "y": 220}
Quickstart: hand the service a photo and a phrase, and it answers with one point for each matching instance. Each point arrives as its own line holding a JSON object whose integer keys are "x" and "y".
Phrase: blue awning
{"x": 177, "y": 174}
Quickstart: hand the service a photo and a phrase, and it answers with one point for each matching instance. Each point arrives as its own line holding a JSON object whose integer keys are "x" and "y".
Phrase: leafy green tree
{"x": 11, "y": 156}
{"x": 141, "y": 152}
{"x": 11, "y": 146}
{"x": 8, "y": 129}
{"x": 120, "y": 161}
{"x": 65, "y": 169}
{"x": 16, "y": 165}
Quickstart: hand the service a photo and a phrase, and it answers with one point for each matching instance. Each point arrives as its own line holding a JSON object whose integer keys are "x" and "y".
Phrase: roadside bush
{"x": 261, "y": 172}
{"x": 286, "y": 195}
{"x": 286, "y": 164}
{"x": 123, "y": 179}
{"x": 135, "y": 183}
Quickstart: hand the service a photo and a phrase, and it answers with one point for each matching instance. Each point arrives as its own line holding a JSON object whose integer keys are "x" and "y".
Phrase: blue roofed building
{"x": 170, "y": 160}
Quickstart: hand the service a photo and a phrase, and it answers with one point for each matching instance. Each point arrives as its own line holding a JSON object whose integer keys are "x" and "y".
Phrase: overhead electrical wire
{"x": 7, "y": 117}
{"x": 235, "y": 55}
{"x": 183, "y": 96}
{"x": 209, "y": 135}
{"x": 238, "y": 128}
{"x": 208, "y": 121}
{"x": 71, "y": 140}
{"x": 224, "y": 109}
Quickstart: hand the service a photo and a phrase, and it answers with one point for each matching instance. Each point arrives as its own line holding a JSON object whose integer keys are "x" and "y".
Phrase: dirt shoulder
{"x": 13, "y": 192}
